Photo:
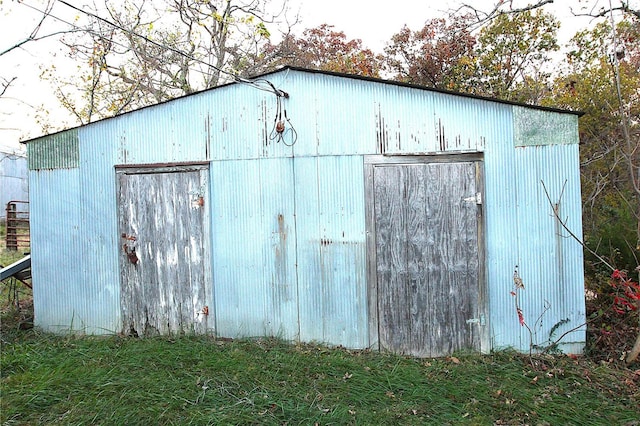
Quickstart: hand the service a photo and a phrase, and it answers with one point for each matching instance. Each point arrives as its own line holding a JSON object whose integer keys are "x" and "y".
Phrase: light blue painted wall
{"x": 288, "y": 223}
{"x": 59, "y": 293}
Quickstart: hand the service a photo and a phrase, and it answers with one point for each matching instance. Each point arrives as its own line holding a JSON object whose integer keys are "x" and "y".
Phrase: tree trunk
{"x": 635, "y": 351}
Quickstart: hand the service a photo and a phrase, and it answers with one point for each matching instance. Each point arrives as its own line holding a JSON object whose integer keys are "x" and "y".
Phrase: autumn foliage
{"x": 327, "y": 49}
{"x": 627, "y": 293}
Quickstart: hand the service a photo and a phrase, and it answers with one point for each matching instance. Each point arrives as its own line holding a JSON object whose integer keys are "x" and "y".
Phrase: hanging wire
{"x": 260, "y": 84}
{"x": 283, "y": 131}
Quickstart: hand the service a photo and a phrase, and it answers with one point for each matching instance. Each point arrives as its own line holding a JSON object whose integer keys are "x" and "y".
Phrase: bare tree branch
{"x": 498, "y": 9}
{"x": 569, "y": 231}
{"x": 5, "y": 85}
{"x": 604, "y": 11}
{"x": 32, "y": 39}
{"x": 33, "y": 36}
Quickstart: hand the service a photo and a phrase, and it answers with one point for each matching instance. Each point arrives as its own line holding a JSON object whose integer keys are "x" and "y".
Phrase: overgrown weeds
{"x": 48, "y": 379}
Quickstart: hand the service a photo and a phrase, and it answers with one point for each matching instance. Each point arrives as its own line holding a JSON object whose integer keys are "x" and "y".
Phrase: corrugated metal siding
{"x": 289, "y": 249}
{"x": 331, "y": 248}
{"x": 172, "y": 132}
{"x": 74, "y": 241}
{"x": 56, "y": 258}
{"x": 253, "y": 249}
{"x": 356, "y": 117}
{"x": 521, "y": 230}
{"x": 287, "y": 224}
{"x": 552, "y": 265}
{"x": 98, "y": 219}
{"x": 57, "y": 151}
{"x": 501, "y": 225}
{"x": 241, "y": 124}
{"x": 331, "y": 115}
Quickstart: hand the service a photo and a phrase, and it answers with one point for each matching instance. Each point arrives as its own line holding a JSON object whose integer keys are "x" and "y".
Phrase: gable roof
{"x": 372, "y": 80}
{"x": 420, "y": 87}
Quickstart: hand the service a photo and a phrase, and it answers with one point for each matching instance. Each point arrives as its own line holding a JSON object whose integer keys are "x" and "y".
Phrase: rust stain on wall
{"x": 279, "y": 283}
{"x": 382, "y": 134}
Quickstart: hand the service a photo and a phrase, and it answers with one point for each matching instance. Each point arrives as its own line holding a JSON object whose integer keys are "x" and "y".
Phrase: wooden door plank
{"x": 426, "y": 237}
{"x": 418, "y": 291}
{"x": 163, "y": 292}
{"x": 391, "y": 258}
{"x": 455, "y": 285}
{"x": 438, "y": 211}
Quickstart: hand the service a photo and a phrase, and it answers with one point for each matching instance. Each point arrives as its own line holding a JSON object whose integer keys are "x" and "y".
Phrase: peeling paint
{"x": 382, "y": 134}
{"x": 163, "y": 286}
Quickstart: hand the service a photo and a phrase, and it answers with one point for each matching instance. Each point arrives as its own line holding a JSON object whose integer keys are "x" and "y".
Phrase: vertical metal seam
{"x": 295, "y": 240}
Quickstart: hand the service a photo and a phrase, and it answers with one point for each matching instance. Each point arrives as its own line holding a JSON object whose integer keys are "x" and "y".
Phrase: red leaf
{"x": 618, "y": 310}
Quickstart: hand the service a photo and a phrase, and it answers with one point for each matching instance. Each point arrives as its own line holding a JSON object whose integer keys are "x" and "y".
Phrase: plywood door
{"x": 163, "y": 261}
{"x": 426, "y": 230}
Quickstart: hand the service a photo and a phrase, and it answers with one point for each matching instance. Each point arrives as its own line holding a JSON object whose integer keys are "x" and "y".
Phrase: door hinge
{"x": 477, "y": 320}
{"x": 474, "y": 198}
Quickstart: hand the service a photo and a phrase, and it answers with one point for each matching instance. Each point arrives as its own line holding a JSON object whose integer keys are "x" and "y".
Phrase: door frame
{"x": 373, "y": 161}
{"x": 177, "y": 167}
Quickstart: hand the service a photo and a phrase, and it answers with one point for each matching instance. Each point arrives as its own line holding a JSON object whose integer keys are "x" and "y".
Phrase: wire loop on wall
{"x": 283, "y": 131}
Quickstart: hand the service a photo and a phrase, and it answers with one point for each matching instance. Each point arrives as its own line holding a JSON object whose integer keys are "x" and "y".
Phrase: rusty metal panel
{"x": 57, "y": 151}
{"x": 331, "y": 246}
{"x": 253, "y": 248}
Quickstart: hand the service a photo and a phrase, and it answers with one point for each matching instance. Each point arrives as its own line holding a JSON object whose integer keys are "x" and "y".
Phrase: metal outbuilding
{"x": 314, "y": 206}
{"x": 14, "y": 183}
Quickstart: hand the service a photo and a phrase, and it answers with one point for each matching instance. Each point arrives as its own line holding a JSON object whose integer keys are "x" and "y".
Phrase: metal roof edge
{"x": 9, "y": 153}
{"x": 129, "y": 112}
{"x": 419, "y": 87}
{"x": 330, "y": 73}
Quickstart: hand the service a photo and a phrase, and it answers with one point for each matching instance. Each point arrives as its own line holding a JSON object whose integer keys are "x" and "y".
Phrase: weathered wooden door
{"x": 164, "y": 261}
{"x": 426, "y": 219}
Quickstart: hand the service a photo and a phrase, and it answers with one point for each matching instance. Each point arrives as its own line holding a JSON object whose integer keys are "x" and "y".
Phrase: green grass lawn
{"x": 7, "y": 257}
{"x": 63, "y": 380}
{"x": 49, "y": 379}
{"x": 19, "y": 252}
